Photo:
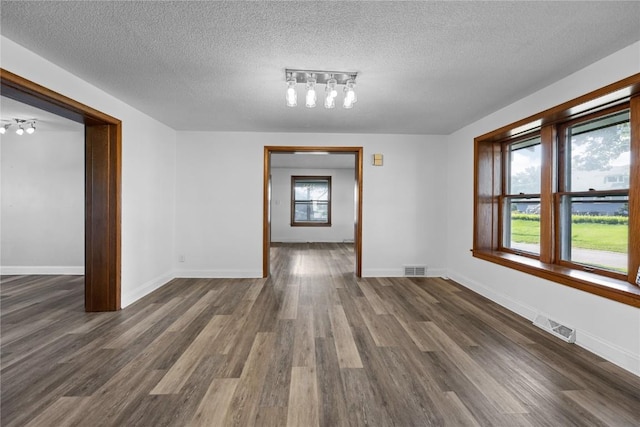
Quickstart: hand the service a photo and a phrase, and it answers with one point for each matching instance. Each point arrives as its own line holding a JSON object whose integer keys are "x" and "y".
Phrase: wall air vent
{"x": 561, "y": 331}
{"x": 415, "y": 270}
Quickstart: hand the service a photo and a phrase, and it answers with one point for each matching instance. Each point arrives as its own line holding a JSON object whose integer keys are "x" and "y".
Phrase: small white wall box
{"x": 561, "y": 331}
{"x": 377, "y": 160}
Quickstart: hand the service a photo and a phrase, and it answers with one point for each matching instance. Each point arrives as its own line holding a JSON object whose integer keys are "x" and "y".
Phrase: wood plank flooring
{"x": 310, "y": 346}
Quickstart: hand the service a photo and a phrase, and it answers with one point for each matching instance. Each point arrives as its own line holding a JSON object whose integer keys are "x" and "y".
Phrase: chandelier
{"x": 311, "y": 79}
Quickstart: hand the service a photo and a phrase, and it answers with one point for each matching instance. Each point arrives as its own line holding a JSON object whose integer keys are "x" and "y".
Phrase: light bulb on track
{"x": 311, "y": 93}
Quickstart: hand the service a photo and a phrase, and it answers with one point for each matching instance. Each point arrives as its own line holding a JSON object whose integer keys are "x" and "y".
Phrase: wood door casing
{"x": 266, "y": 222}
{"x": 103, "y": 170}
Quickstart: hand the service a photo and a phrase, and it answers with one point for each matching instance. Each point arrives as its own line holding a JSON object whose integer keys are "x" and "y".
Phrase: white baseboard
{"x": 522, "y": 309}
{"x": 219, "y": 274}
{"x": 128, "y": 298}
{"x": 399, "y": 272}
{"x": 134, "y": 295}
{"x": 382, "y": 272}
{"x": 436, "y": 272}
{"x": 607, "y": 350}
{"x": 611, "y": 352}
{"x": 37, "y": 270}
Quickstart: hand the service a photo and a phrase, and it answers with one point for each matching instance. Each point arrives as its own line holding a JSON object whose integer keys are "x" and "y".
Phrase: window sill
{"x": 617, "y": 290}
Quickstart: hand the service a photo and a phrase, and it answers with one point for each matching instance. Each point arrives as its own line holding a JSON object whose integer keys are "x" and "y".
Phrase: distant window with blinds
{"x": 311, "y": 201}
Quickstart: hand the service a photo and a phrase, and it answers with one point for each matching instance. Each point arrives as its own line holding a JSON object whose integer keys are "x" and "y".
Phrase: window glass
{"x": 522, "y": 225}
{"x": 311, "y": 212}
{"x": 600, "y": 154}
{"x": 525, "y": 160}
{"x": 595, "y": 231}
{"x": 308, "y": 190}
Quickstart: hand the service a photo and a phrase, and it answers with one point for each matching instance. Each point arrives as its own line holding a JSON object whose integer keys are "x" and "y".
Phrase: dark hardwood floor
{"x": 312, "y": 345}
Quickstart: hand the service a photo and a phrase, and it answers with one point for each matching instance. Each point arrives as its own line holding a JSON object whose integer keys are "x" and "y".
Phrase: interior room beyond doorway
{"x": 335, "y": 215}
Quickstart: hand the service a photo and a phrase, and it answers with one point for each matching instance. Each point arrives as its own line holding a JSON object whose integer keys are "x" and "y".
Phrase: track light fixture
{"x": 331, "y": 80}
{"x": 21, "y": 123}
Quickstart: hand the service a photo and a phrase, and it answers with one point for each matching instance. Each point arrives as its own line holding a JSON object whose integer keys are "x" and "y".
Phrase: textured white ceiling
{"x": 424, "y": 67}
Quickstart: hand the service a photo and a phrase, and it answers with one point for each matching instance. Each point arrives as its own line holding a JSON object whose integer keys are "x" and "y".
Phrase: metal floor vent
{"x": 561, "y": 331}
{"x": 415, "y": 270}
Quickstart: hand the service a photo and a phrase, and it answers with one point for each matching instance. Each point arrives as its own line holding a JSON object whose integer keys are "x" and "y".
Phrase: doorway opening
{"x": 42, "y": 203}
{"x": 102, "y": 173}
{"x": 357, "y": 223}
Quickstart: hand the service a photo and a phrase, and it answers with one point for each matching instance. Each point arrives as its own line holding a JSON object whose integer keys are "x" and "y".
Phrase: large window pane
{"x": 311, "y": 212}
{"x": 600, "y": 154}
{"x": 311, "y": 190}
{"x": 525, "y": 160}
{"x": 595, "y": 231}
{"x": 522, "y": 225}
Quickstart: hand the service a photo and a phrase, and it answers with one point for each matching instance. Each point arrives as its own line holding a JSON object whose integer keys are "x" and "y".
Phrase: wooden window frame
{"x": 294, "y": 223}
{"x": 489, "y": 192}
{"x": 563, "y": 190}
{"x": 506, "y": 195}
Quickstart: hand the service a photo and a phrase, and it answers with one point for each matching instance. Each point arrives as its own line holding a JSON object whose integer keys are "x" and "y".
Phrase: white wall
{"x": 342, "y": 207}
{"x": 219, "y": 201}
{"x": 603, "y": 326}
{"x": 148, "y": 172}
{"x": 42, "y": 203}
{"x": 210, "y": 187}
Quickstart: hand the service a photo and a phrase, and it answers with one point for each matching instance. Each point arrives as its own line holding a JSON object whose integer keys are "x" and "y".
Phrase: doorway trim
{"x": 103, "y": 175}
{"x": 266, "y": 208}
